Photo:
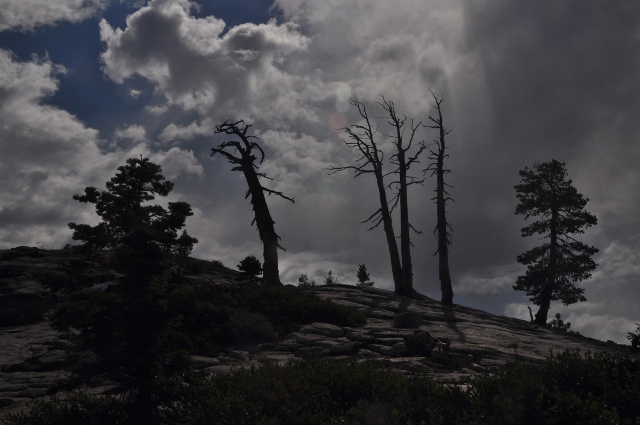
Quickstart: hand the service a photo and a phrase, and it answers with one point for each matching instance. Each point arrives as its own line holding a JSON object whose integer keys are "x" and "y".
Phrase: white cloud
{"x": 618, "y": 263}
{"x": 243, "y": 72}
{"x": 499, "y": 279}
{"x": 136, "y": 133}
{"x": 176, "y": 132}
{"x": 519, "y": 311}
{"x": 176, "y": 161}
{"x": 47, "y": 155}
{"x": 26, "y": 15}
{"x": 602, "y": 327}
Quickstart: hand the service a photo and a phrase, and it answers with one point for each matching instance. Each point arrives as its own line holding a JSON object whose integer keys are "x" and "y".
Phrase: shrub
{"x": 330, "y": 279}
{"x": 213, "y": 316}
{"x": 250, "y": 267}
{"x": 78, "y": 408}
{"x": 566, "y": 389}
{"x": 319, "y": 391}
{"x": 559, "y": 324}
{"x": 303, "y": 282}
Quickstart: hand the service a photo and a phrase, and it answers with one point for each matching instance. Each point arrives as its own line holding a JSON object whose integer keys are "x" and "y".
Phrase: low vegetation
{"x": 218, "y": 315}
{"x": 569, "y": 388}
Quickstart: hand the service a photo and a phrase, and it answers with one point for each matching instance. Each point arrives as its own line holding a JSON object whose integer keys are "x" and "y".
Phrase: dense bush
{"x": 566, "y": 389}
{"x": 250, "y": 267}
{"x": 216, "y": 315}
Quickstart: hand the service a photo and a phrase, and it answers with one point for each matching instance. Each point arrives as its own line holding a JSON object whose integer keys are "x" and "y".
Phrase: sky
{"x": 86, "y": 84}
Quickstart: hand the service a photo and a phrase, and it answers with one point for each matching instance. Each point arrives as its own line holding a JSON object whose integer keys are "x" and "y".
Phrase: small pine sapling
{"x": 559, "y": 324}
{"x": 363, "y": 276}
{"x": 251, "y": 267}
{"x": 330, "y": 279}
{"x": 303, "y": 282}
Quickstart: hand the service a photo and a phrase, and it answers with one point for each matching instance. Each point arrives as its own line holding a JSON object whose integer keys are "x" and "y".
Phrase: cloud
{"x": 136, "y": 133}
{"x": 28, "y": 15}
{"x": 602, "y": 327}
{"x": 47, "y": 155}
{"x": 599, "y": 326}
{"x": 518, "y": 310}
{"x": 176, "y": 161}
{"x": 199, "y": 67}
{"x": 177, "y": 132}
{"x": 499, "y": 279}
{"x": 521, "y": 83}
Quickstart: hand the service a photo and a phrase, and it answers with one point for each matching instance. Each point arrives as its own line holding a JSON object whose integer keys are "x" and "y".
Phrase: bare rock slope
{"x": 410, "y": 336}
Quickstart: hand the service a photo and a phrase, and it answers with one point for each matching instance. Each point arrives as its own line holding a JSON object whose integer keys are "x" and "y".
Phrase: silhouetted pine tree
{"x": 556, "y": 266}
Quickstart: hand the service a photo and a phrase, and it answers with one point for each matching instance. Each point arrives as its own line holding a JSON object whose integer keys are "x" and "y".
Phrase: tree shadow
{"x": 451, "y": 320}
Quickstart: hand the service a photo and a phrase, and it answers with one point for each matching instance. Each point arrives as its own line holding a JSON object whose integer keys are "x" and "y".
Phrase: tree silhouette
{"x": 250, "y": 266}
{"x": 303, "y": 282}
{"x": 363, "y": 276}
{"x": 442, "y": 230}
{"x": 245, "y": 161}
{"x": 371, "y": 162}
{"x": 554, "y": 267}
{"x": 635, "y": 339}
{"x": 127, "y": 326}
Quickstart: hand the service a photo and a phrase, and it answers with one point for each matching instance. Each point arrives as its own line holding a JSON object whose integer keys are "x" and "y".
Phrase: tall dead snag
{"x": 244, "y": 161}
{"x": 371, "y": 162}
{"x": 442, "y": 230}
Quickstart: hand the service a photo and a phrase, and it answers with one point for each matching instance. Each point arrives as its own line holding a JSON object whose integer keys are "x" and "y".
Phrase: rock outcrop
{"x": 407, "y": 335}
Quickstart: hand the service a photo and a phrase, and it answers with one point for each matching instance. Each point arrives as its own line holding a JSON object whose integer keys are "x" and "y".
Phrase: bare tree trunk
{"x": 266, "y": 230}
{"x": 387, "y": 223}
{"x": 547, "y": 292}
{"x": 403, "y": 164}
{"x": 363, "y": 140}
{"x": 442, "y": 226}
{"x": 245, "y": 162}
{"x": 405, "y": 241}
{"x": 443, "y": 236}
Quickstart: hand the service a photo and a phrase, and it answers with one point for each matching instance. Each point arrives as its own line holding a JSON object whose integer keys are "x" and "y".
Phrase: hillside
{"x": 411, "y": 336}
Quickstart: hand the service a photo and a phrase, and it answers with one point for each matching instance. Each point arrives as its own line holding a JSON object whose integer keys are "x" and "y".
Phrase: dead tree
{"x": 443, "y": 228}
{"x": 245, "y": 161}
{"x": 371, "y": 162}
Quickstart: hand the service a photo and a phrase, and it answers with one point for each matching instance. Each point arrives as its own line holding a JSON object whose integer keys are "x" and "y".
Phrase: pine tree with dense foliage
{"x": 303, "y": 282}
{"x": 554, "y": 268}
{"x": 251, "y": 267}
{"x": 363, "y": 276}
{"x": 125, "y": 327}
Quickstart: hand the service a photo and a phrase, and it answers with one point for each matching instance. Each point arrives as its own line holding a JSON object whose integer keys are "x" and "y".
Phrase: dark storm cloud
{"x": 556, "y": 70}
{"x": 561, "y": 79}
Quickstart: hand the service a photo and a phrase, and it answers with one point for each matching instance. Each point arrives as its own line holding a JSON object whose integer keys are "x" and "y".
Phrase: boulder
{"x": 407, "y": 320}
{"x": 421, "y": 343}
